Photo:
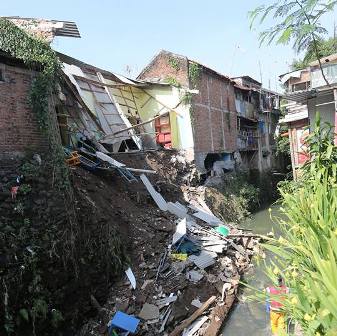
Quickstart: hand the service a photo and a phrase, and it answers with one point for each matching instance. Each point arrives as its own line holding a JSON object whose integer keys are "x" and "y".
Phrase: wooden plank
{"x": 92, "y": 81}
{"x": 193, "y": 317}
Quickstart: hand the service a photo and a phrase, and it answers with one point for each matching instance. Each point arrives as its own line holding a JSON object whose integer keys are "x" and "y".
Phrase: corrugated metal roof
{"x": 69, "y": 28}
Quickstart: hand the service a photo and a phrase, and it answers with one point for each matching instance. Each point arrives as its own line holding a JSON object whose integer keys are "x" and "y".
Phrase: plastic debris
{"x": 179, "y": 256}
{"x": 223, "y": 230}
{"x": 124, "y": 321}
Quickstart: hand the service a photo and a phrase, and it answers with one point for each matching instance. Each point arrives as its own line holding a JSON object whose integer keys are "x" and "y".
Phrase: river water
{"x": 249, "y": 318}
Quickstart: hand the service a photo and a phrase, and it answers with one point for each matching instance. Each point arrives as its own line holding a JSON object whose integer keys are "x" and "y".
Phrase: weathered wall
{"x": 214, "y": 115}
{"x": 18, "y": 124}
{"x": 162, "y": 67}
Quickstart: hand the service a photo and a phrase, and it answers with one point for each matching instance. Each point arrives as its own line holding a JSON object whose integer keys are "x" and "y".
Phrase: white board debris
{"x": 180, "y": 231}
{"x": 165, "y": 301}
{"x": 194, "y": 327}
{"x": 131, "y": 277}
{"x": 177, "y": 209}
{"x": 210, "y": 219}
{"x": 109, "y": 159}
{"x": 157, "y": 197}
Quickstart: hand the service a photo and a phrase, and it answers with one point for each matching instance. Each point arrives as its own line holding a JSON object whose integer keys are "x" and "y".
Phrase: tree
{"x": 325, "y": 48}
{"x": 297, "y": 21}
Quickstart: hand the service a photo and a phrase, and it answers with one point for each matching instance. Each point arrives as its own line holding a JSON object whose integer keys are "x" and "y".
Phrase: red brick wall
{"x": 161, "y": 68}
{"x": 214, "y": 115}
{"x": 18, "y": 125}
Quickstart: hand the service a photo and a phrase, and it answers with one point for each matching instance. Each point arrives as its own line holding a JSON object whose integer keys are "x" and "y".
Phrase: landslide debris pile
{"x": 62, "y": 268}
{"x": 174, "y": 278}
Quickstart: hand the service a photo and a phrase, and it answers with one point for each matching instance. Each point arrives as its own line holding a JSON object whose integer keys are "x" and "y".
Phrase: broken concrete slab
{"x": 157, "y": 197}
{"x": 194, "y": 276}
{"x": 149, "y": 312}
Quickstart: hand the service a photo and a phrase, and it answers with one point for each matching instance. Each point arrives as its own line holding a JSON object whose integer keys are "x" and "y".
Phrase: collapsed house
{"x": 175, "y": 103}
{"x": 307, "y": 94}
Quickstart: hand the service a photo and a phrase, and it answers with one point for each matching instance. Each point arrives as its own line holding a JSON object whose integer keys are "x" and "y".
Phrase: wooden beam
{"x": 184, "y": 324}
{"x": 135, "y": 126}
{"x": 97, "y": 83}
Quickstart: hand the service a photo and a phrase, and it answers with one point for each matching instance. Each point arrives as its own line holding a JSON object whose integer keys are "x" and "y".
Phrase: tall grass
{"x": 306, "y": 252}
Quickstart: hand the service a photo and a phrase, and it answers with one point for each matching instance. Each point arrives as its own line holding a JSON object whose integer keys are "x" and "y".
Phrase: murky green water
{"x": 251, "y": 318}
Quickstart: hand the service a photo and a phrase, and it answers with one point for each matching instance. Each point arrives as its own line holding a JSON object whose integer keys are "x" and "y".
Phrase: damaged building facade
{"x": 232, "y": 119}
{"x": 218, "y": 122}
{"x": 307, "y": 94}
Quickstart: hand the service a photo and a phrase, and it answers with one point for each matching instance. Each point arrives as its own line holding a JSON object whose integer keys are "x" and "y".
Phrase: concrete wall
{"x": 18, "y": 125}
{"x": 327, "y": 112}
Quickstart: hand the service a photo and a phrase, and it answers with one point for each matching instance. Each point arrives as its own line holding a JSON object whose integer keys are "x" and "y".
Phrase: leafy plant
{"x": 297, "y": 21}
{"x": 324, "y": 47}
{"x": 174, "y": 63}
{"x": 305, "y": 255}
{"x": 172, "y": 81}
{"x": 194, "y": 73}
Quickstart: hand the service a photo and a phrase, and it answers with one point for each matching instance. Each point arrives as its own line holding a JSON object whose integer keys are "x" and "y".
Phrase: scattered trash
{"x": 196, "y": 303}
{"x": 194, "y": 327}
{"x": 123, "y": 321}
{"x": 163, "y": 302}
{"x": 149, "y": 312}
{"x": 179, "y": 256}
{"x": 188, "y": 247}
{"x": 223, "y": 230}
{"x": 131, "y": 277}
{"x": 14, "y": 191}
{"x": 166, "y": 316}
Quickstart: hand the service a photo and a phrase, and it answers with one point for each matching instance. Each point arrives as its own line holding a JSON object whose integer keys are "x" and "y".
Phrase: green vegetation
{"x": 235, "y": 199}
{"x": 306, "y": 252}
{"x": 297, "y": 21}
{"x": 325, "y": 48}
{"x": 194, "y": 73}
{"x": 174, "y": 63}
{"x": 172, "y": 81}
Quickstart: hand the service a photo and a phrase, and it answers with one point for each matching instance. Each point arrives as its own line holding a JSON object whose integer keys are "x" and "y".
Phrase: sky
{"x": 121, "y": 34}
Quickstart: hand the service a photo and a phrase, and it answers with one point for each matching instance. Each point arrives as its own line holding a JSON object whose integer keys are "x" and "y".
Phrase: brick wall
{"x": 18, "y": 125}
{"x": 214, "y": 115}
{"x": 161, "y": 68}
